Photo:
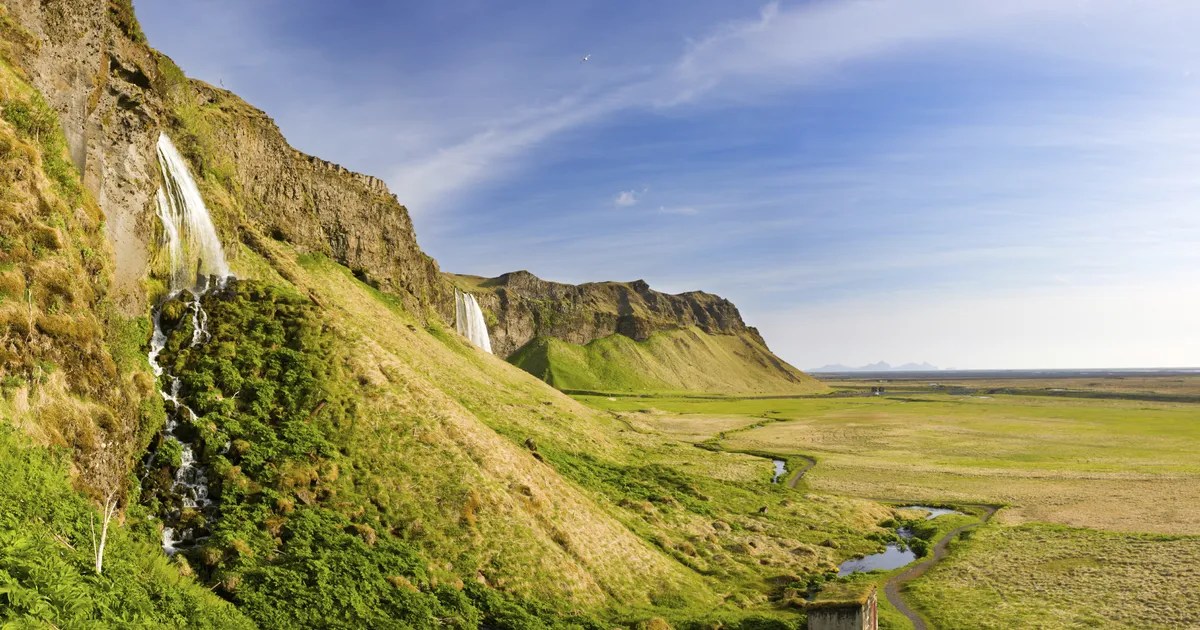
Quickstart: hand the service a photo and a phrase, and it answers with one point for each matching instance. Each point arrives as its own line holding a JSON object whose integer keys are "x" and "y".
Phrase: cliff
{"x": 625, "y": 336}
{"x": 363, "y": 466}
{"x": 525, "y": 306}
{"x": 113, "y": 95}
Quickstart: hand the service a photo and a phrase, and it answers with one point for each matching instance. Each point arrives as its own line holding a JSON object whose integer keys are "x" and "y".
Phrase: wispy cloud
{"x": 627, "y": 198}
{"x": 783, "y": 47}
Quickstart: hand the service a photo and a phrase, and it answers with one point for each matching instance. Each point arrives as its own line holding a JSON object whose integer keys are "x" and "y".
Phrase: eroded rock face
{"x": 318, "y": 206}
{"x": 113, "y": 96}
{"x": 94, "y": 78}
{"x": 525, "y": 306}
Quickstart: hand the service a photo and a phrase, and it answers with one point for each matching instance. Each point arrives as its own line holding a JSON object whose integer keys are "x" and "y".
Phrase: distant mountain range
{"x": 882, "y": 366}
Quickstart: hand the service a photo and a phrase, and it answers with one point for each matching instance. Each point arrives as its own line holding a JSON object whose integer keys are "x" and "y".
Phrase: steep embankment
{"x": 624, "y": 336}
{"x": 367, "y": 466}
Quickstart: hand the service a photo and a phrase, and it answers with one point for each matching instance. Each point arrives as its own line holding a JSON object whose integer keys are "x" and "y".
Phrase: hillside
{"x": 669, "y": 361}
{"x": 625, "y": 336}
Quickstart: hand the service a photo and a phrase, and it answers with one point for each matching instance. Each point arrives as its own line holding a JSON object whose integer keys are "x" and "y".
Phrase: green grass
{"x": 1101, "y": 463}
{"x": 468, "y": 493}
{"x": 675, "y": 361}
{"x": 46, "y": 573}
{"x": 1045, "y": 577}
{"x": 1112, "y": 464}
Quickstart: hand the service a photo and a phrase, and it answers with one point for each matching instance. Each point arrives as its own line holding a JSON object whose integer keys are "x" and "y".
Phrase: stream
{"x": 893, "y": 557}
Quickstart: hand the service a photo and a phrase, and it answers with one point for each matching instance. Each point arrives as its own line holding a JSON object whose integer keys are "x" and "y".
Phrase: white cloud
{"x": 626, "y": 198}
{"x": 782, "y": 48}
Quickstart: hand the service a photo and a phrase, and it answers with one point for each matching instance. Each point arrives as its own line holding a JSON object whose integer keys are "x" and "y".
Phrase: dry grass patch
{"x": 1040, "y": 577}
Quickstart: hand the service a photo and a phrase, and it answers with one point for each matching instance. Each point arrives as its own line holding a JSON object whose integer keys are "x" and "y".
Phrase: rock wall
{"x": 523, "y": 306}
{"x": 318, "y": 206}
{"x": 93, "y": 76}
{"x": 114, "y": 94}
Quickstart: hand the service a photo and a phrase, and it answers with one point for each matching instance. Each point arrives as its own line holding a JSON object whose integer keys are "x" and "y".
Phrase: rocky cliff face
{"x": 523, "y": 306}
{"x": 114, "y": 94}
{"x": 317, "y": 206}
{"x": 94, "y": 76}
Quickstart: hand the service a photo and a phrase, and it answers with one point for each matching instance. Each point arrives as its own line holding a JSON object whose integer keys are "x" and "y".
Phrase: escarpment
{"x": 525, "y": 306}
{"x": 627, "y": 337}
{"x": 318, "y": 206}
{"x": 114, "y": 94}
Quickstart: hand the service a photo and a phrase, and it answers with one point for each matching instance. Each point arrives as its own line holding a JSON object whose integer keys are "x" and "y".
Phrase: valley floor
{"x": 1098, "y": 527}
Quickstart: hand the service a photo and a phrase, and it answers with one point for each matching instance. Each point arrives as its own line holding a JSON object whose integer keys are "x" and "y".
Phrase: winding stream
{"x": 197, "y": 266}
{"x": 893, "y": 556}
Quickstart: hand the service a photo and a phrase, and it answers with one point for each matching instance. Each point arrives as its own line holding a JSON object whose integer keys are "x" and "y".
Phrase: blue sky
{"x": 974, "y": 184}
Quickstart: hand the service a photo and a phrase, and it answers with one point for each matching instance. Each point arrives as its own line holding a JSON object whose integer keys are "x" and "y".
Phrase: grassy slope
{"x": 678, "y": 361}
{"x": 613, "y": 520}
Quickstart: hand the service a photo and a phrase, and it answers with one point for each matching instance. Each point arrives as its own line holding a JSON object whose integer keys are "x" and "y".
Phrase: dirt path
{"x": 796, "y": 476}
{"x": 892, "y": 588}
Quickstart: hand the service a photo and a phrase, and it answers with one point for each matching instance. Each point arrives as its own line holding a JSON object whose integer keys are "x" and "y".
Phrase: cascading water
{"x": 468, "y": 318}
{"x": 197, "y": 264}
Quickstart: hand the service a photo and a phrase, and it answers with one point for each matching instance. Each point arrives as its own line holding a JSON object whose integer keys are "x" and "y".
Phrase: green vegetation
{"x": 1109, "y": 464}
{"x": 33, "y": 120}
{"x": 291, "y": 526}
{"x": 1112, "y": 464}
{"x": 46, "y": 574}
{"x": 121, "y": 14}
{"x": 675, "y": 361}
{"x": 695, "y": 517}
{"x": 1046, "y": 577}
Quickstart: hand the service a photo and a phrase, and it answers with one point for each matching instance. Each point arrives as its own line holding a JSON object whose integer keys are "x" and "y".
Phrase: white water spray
{"x": 192, "y": 242}
{"x": 468, "y": 318}
{"x": 197, "y": 265}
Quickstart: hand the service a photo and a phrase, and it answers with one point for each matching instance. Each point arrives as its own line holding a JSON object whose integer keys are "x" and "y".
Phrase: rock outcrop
{"x": 524, "y": 306}
{"x": 114, "y": 94}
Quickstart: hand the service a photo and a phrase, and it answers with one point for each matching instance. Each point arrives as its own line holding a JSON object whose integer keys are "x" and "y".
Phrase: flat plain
{"x": 1101, "y": 496}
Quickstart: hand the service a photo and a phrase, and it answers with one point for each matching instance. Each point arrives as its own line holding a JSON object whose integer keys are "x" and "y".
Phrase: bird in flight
{"x": 586, "y": 57}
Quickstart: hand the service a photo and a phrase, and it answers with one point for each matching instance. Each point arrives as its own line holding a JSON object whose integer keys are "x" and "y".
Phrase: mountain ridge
{"x": 880, "y": 366}
{"x": 625, "y": 336}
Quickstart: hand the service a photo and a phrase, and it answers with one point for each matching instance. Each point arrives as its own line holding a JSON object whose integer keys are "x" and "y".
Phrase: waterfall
{"x": 468, "y": 318}
{"x": 197, "y": 264}
{"x": 192, "y": 242}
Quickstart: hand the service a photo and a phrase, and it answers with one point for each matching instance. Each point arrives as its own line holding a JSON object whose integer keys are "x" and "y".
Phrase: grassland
{"x": 1115, "y": 465}
{"x": 505, "y": 481}
{"x": 1089, "y": 385}
{"x": 1124, "y": 469}
{"x": 688, "y": 360}
{"x": 1044, "y": 577}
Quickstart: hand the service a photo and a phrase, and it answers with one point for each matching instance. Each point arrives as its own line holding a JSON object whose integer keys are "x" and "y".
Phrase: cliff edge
{"x": 625, "y": 336}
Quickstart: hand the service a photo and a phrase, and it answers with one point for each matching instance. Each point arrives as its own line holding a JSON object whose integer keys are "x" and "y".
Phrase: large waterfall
{"x": 468, "y": 318}
{"x": 197, "y": 264}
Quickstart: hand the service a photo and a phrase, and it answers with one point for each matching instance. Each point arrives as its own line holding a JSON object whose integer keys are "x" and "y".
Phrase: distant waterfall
{"x": 197, "y": 265}
{"x": 192, "y": 242}
{"x": 468, "y": 318}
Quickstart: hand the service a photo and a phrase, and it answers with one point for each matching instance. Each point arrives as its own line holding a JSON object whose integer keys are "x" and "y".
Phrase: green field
{"x": 1100, "y": 496}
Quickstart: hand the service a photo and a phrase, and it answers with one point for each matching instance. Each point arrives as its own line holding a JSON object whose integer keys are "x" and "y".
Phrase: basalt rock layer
{"x": 678, "y": 340}
{"x": 114, "y": 95}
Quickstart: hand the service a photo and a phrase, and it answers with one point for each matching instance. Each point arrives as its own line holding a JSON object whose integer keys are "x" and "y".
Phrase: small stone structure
{"x": 845, "y": 607}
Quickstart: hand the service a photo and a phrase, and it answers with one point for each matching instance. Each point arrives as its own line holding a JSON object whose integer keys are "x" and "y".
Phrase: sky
{"x": 971, "y": 183}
